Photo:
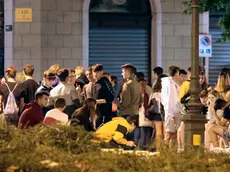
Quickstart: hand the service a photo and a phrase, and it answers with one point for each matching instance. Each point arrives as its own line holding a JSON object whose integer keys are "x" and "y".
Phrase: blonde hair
{"x": 20, "y": 77}
{"x": 227, "y": 96}
{"x": 222, "y": 82}
{"x": 215, "y": 93}
{"x": 54, "y": 68}
{"x": 79, "y": 71}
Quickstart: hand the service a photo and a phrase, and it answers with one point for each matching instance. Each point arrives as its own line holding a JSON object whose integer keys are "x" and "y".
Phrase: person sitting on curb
{"x": 56, "y": 115}
{"x": 114, "y": 132}
{"x": 33, "y": 115}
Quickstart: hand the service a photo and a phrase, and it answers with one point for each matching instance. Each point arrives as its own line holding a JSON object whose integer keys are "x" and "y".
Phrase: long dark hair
{"x": 88, "y": 111}
{"x": 204, "y": 85}
{"x": 157, "y": 86}
{"x": 89, "y": 107}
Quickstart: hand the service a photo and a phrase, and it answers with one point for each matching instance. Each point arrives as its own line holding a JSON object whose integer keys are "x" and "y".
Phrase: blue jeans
{"x": 142, "y": 136}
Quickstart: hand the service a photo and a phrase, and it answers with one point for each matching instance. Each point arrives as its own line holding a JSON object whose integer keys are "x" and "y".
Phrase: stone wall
{"x": 62, "y": 32}
{"x": 54, "y": 35}
{"x": 176, "y": 34}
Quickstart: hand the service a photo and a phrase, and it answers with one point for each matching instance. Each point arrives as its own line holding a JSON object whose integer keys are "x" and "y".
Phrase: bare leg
{"x": 208, "y": 132}
{"x": 159, "y": 133}
{"x": 214, "y": 132}
{"x": 180, "y": 136}
{"x": 173, "y": 141}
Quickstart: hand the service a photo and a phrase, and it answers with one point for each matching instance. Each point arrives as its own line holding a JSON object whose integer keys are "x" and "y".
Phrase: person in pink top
{"x": 56, "y": 115}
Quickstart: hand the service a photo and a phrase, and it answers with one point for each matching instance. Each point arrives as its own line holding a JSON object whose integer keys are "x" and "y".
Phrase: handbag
{"x": 154, "y": 109}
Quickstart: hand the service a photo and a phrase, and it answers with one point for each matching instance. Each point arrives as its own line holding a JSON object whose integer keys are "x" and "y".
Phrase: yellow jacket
{"x": 184, "y": 89}
{"x": 114, "y": 130}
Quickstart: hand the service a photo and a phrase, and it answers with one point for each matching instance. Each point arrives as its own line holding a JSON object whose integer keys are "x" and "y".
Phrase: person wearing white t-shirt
{"x": 169, "y": 97}
{"x": 66, "y": 91}
{"x": 56, "y": 115}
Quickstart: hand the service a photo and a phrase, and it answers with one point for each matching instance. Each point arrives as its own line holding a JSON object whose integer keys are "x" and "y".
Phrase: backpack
{"x": 11, "y": 107}
{"x": 184, "y": 101}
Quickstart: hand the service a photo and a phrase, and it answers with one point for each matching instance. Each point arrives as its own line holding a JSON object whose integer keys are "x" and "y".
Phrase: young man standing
{"x": 33, "y": 114}
{"x": 30, "y": 85}
{"x": 182, "y": 76}
{"x": 131, "y": 92}
{"x": 103, "y": 90}
{"x": 47, "y": 82}
{"x": 66, "y": 91}
{"x": 80, "y": 76}
{"x": 169, "y": 97}
{"x": 156, "y": 72}
{"x": 185, "y": 85}
{"x": 130, "y": 97}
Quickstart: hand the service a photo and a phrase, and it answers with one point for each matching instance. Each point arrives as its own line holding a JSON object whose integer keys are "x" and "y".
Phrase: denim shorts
{"x": 226, "y": 134}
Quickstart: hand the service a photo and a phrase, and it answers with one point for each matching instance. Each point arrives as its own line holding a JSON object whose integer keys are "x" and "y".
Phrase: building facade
{"x": 60, "y": 33}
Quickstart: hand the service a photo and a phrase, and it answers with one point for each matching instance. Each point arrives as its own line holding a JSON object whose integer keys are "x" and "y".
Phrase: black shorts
{"x": 158, "y": 118}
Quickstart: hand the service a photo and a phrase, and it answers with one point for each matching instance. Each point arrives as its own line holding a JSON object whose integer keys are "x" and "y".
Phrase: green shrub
{"x": 67, "y": 149}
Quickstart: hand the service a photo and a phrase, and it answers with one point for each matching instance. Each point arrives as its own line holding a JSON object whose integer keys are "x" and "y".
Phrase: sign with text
{"x": 205, "y": 45}
{"x": 23, "y": 14}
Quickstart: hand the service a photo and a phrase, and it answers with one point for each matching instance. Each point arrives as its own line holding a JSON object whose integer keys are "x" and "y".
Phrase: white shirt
{"x": 169, "y": 97}
{"x": 57, "y": 115}
{"x": 66, "y": 91}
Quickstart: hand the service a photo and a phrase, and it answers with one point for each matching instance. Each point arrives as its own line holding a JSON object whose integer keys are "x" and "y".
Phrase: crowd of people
{"x": 129, "y": 113}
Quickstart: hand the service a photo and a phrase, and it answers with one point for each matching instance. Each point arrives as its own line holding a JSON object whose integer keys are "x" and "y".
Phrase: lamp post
{"x": 193, "y": 121}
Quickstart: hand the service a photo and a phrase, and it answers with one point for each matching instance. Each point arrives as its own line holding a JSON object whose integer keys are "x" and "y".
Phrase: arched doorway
{"x": 155, "y": 38}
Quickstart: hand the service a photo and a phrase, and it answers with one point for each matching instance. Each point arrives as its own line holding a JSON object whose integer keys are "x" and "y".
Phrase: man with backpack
{"x": 184, "y": 97}
{"x": 185, "y": 85}
{"x": 11, "y": 97}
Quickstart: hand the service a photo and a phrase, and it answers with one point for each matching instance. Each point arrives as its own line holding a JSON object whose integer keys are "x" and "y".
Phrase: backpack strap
{"x": 9, "y": 87}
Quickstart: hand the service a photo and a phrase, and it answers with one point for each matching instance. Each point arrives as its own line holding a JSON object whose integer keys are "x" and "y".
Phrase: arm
{"x": 118, "y": 137}
{"x": 220, "y": 121}
{"x": 125, "y": 97}
{"x": 75, "y": 98}
{"x": 21, "y": 104}
{"x": 23, "y": 119}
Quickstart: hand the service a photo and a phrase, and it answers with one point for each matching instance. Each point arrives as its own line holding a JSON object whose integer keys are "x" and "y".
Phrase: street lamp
{"x": 193, "y": 121}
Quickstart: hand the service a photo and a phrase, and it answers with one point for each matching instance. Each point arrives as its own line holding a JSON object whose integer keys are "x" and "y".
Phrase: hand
{"x": 130, "y": 143}
{"x": 172, "y": 118}
{"x": 212, "y": 110}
